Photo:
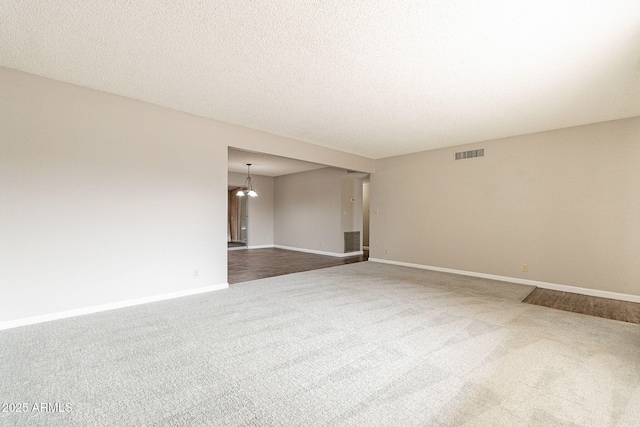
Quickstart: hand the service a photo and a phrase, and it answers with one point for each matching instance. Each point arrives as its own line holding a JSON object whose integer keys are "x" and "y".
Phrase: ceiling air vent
{"x": 461, "y": 155}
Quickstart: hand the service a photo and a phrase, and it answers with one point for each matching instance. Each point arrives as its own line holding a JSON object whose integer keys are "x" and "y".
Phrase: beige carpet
{"x": 357, "y": 345}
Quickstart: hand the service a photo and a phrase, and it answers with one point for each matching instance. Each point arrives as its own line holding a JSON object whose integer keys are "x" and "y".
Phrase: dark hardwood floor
{"x": 602, "y": 307}
{"x": 236, "y": 245}
{"x": 252, "y": 264}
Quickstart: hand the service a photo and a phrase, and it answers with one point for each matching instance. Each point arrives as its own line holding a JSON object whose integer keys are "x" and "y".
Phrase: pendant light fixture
{"x": 247, "y": 189}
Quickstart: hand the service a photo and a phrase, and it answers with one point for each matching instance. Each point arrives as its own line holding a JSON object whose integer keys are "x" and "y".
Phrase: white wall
{"x": 307, "y": 210}
{"x": 566, "y": 203}
{"x": 260, "y": 208}
{"x": 105, "y": 199}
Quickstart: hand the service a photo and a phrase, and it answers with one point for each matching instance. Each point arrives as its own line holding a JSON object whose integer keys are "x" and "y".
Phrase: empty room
{"x": 320, "y": 213}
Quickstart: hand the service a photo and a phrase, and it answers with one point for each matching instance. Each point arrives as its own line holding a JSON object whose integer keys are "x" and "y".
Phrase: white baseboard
{"x": 237, "y": 248}
{"x": 312, "y": 251}
{"x": 545, "y": 285}
{"x": 105, "y": 307}
{"x": 261, "y": 247}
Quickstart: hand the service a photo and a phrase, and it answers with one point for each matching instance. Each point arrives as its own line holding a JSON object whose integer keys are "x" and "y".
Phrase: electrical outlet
{"x": 196, "y": 273}
{"x": 386, "y": 251}
{"x": 320, "y": 244}
{"x": 525, "y": 267}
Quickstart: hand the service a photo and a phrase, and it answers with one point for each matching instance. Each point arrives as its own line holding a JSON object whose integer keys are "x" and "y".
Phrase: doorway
{"x": 238, "y": 224}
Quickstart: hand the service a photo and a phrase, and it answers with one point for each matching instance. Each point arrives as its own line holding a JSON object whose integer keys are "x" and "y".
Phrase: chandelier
{"x": 247, "y": 188}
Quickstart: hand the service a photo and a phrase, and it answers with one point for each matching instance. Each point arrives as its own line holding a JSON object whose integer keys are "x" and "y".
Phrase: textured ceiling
{"x": 375, "y": 78}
